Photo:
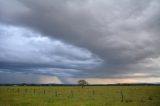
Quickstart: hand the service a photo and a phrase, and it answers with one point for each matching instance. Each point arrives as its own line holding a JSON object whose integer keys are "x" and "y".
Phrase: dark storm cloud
{"x": 23, "y": 50}
{"x": 123, "y": 34}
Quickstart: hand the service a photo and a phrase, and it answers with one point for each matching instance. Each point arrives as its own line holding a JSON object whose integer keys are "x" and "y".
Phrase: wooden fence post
{"x": 93, "y": 92}
{"x": 122, "y": 96}
{"x": 72, "y": 94}
{"x": 56, "y": 93}
{"x": 44, "y": 92}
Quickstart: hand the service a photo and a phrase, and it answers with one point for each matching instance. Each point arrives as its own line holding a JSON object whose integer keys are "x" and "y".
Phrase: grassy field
{"x": 77, "y": 96}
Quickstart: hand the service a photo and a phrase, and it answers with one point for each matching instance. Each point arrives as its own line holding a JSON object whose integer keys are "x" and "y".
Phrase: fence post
{"x": 72, "y": 94}
{"x": 17, "y": 90}
{"x": 44, "y": 92}
{"x": 93, "y": 92}
{"x": 56, "y": 93}
{"x": 122, "y": 96}
{"x": 25, "y": 90}
{"x": 34, "y": 91}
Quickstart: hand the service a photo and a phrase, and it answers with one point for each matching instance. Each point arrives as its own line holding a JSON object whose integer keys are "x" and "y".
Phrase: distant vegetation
{"x": 78, "y": 96}
{"x": 82, "y": 83}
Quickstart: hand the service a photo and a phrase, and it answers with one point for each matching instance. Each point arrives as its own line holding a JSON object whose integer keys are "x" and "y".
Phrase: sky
{"x": 63, "y": 41}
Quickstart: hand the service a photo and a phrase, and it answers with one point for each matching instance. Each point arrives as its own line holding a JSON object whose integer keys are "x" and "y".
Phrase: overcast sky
{"x": 62, "y": 41}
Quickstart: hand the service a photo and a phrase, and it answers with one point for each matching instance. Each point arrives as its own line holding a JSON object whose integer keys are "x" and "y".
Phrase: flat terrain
{"x": 77, "y": 96}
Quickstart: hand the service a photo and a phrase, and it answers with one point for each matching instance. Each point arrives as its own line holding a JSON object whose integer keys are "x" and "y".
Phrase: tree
{"x": 82, "y": 83}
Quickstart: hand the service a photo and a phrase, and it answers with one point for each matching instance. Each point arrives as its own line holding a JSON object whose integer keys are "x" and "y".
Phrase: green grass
{"x": 77, "y": 96}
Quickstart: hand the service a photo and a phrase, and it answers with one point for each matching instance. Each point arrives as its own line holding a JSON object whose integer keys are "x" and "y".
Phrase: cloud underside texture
{"x": 81, "y": 38}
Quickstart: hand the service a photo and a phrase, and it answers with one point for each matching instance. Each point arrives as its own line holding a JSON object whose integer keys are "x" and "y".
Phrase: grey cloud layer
{"x": 125, "y": 34}
{"x": 28, "y": 51}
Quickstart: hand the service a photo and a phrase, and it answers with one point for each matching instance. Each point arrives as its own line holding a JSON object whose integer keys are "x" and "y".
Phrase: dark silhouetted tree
{"x": 82, "y": 83}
